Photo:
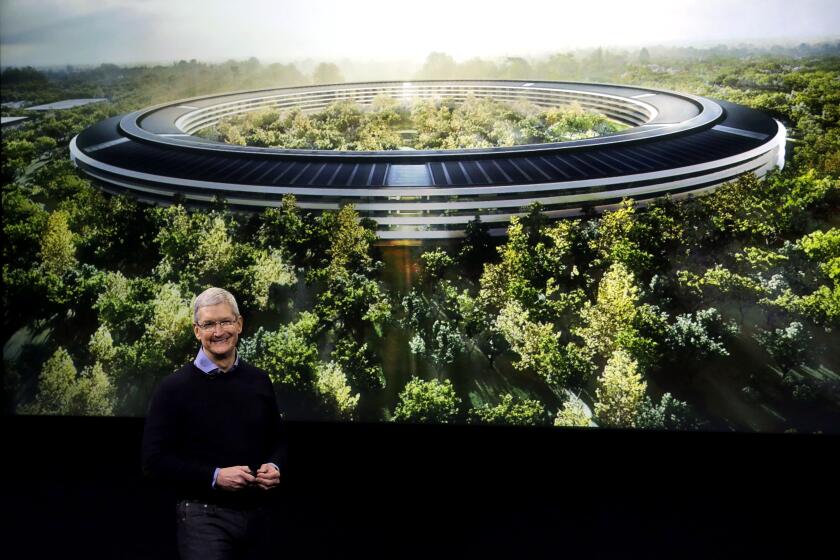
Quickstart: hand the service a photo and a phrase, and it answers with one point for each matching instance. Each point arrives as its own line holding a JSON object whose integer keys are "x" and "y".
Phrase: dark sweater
{"x": 197, "y": 423}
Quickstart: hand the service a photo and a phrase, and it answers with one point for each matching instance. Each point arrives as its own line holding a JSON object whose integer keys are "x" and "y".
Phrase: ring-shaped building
{"x": 676, "y": 144}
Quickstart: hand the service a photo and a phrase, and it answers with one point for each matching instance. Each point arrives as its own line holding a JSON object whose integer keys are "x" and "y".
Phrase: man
{"x": 213, "y": 431}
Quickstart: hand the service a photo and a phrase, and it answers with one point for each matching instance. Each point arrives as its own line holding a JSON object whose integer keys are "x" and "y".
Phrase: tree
{"x": 620, "y": 394}
{"x": 823, "y": 247}
{"x": 435, "y": 264}
{"x": 58, "y": 250}
{"x": 327, "y": 73}
{"x": 150, "y": 325}
{"x": 539, "y": 348}
{"x": 768, "y": 207}
{"x": 284, "y": 228}
{"x": 696, "y": 338}
{"x": 510, "y": 279}
{"x": 266, "y": 270}
{"x": 718, "y": 283}
{"x": 101, "y": 345}
{"x": 55, "y": 384}
{"x": 788, "y": 346}
{"x": 517, "y": 68}
{"x": 573, "y": 414}
{"x": 617, "y": 239}
{"x": 438, "y": 66}
{"x": 427, "y": 402}
{"x": 669, "y": 414}
{"x": 359, "y": 364}
{"x": 350, "y": 247}
{"x": 62, "y": 391}
{"x": 476, "y": 247}
{"x": 350, "y": 296}
{"x": 196, "y": 248}
{"x": 336, "y": 394}
{"x": 511, "y": 410}
{"x": 288, "y": 354}
{"x": 446, "y": 343}
{"x": 94, "y": 394}
{"x": 609, "y": 323}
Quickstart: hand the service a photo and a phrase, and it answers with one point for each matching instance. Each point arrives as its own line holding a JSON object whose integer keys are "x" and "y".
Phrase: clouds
{"x": 43, "y": 32}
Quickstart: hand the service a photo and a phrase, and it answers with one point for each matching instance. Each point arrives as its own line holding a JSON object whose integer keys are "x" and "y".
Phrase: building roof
{"x": 678, "y": 144}
{"x": 66, "y": 104}
{"x": 8, "y": 121}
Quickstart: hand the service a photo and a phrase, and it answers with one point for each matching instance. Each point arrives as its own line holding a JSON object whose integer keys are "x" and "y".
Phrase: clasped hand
{"x": 239, "y": 477}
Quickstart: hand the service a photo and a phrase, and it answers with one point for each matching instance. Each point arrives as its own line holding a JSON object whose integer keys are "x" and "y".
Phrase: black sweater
{"x": 197, "y": 423}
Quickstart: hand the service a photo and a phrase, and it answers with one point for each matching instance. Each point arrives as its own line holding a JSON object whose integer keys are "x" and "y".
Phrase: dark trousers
{"x": 210, "y": 532}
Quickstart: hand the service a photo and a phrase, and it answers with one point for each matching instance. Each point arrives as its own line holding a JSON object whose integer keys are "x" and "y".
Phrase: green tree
{"x": 823, "y": 247}
{"x": 540, "y": 349}
{"x": 101, "y": 345}
{"x": 266, "y": 270}
{"x": 696, "y": 338}
{"x": 788, "y": 346}
{"x": 289, "y": 354}
{"x": 58, "y": 250}
{"x": 620, "y": 394}
{"x": 336, "y": 394}
{"x": 435, "y": 264}
{"x": 719, "y": 284}
{"x": 197, "y": 249}
{"x": 669, "y": 414}
{"x": 62, "y": 391}
{"x": 617, "y": 239}
{"x": 285, "y": 228}
{"x": 359, "y": 364}
{"x": 446, "y": 343}
{"x": 769, "y": 207}
{"x": 573, "y": 414}
{"x": 609, "y": 323}
{"x": 427, "y": 402}
{"x": 511, "y": 410}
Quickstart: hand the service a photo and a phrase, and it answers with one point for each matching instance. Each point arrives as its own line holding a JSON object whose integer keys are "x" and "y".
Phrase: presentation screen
{"x": 642, "y": 236}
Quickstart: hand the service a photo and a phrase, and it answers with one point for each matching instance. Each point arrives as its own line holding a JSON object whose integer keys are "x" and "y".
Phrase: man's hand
{"x": 267, "y": 477}
{"x": 235, "y": 478}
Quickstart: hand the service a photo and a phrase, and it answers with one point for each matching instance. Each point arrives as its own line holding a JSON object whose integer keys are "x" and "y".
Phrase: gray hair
{"x": 214, "y": 296}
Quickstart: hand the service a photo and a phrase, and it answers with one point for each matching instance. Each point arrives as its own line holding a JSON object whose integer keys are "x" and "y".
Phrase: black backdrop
{"x": 72, "y": 487}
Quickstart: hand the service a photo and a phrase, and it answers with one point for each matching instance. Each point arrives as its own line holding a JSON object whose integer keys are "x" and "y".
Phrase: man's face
{"x": 218, "y": 342}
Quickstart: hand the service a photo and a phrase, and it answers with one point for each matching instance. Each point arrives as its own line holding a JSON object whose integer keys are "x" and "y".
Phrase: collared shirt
{"x": 204, "y": 363}
{"x": 208, "y": 366}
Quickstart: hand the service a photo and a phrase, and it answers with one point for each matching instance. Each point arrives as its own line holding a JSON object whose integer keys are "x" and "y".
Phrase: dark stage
{"x": 73, "y": 487}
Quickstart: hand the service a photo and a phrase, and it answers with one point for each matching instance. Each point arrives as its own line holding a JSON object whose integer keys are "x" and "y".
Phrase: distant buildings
{"x": 66, "y": 104}
{"x": 8, "y": 123}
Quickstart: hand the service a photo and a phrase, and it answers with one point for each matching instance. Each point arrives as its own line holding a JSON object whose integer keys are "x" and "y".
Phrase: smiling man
{"x": 213, "y": 431}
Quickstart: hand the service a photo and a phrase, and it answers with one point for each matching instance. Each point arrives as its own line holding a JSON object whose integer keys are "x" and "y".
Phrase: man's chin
{"x": 221, "y": 350}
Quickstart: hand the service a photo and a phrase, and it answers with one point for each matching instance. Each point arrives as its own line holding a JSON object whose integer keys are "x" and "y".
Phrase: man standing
{"x": 213, "y": 431}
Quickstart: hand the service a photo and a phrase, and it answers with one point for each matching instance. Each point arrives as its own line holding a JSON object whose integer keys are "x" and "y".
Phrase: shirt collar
{"x": 205, "y": 364}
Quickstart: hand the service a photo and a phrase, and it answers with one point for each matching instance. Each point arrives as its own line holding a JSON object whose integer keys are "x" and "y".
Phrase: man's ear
{"x": 196, "y": 332}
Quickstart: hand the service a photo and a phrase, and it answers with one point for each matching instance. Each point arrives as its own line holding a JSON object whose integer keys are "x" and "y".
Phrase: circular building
{"x": 677, "y": 144}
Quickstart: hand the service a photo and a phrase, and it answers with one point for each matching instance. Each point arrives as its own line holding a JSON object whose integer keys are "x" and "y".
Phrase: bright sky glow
{"x": 57, "y": 32}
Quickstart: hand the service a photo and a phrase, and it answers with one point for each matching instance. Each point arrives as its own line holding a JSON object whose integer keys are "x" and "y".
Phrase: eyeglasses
{"x": 211, "y": 325}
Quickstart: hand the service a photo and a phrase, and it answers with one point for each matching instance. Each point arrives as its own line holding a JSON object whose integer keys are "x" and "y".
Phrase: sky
{"x": 82, "y": 32}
